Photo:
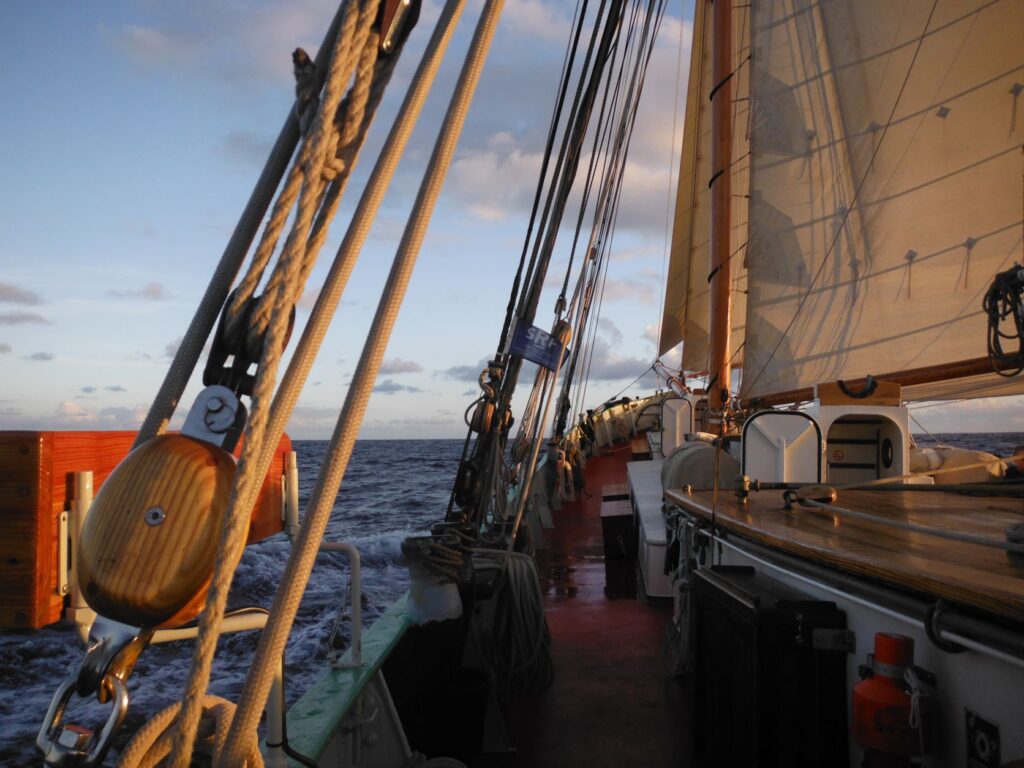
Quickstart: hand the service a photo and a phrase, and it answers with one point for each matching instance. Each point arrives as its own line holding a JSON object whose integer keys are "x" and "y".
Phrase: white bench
{"x": 646, "y": 498}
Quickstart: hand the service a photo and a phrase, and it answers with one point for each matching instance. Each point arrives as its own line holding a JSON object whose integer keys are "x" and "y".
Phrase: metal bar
{"x": 355, "y": 580}
{"x": 81, "y": 500}
{"x": 987, "y": 638}
{"x": 291, "y": 495}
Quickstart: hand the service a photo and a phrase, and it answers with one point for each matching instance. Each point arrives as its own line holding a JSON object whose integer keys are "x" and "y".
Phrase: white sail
{"x": 886, "y": 184}
{"x": 687, "y": 298}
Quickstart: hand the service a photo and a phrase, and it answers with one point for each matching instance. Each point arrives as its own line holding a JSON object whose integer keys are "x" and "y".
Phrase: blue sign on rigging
{"x": 537, "y": 346}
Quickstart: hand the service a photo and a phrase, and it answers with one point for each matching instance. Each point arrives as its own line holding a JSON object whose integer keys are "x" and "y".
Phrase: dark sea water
{"x": 392, "y": 489}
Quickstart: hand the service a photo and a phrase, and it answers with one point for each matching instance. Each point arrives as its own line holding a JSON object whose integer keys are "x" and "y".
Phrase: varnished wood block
{"x": 885, "y": 393}
{"x": 36, "y": 476}
{"x": 149, "y": 543}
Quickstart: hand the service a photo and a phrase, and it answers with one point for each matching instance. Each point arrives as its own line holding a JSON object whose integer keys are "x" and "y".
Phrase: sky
{"x": 133, "y": 131}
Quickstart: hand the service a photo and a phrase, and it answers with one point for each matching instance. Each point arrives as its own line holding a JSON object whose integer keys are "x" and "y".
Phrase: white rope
{"x": 151, "y": 745}
{"x": 191, "y": 346}
{"x": 300, "y": 563}
{"x": 248, "y": 479}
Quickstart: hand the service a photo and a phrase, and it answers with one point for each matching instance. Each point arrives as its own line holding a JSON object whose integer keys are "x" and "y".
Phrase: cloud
{"x": 397, "y": 365}
{"x": 629, "y": 289}
{"x": 20, "y": 317}
{"x": 5, "y": 349}
{"x": 12, "y": 294}
{"x": 243, "y": 46}
{"x": 41, "y": 357}
{"x": 391, "y": 387}
{"x": 246, "y": 149}
{"x": 138, "y": 354}
{"x": 115, "y": 388}
{"x": 88, "y": 390}
{"x": 72, "y": 414}
{"x": 463, "y": 372}
{"x": 150, "y": 292}
{"x": 172, "y": 349}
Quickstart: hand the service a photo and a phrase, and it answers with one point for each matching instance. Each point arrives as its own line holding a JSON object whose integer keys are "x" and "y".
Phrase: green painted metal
{"x": 315, "y": 717}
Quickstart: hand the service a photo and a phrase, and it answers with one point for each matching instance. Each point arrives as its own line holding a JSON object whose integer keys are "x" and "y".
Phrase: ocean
{"x": 392, "y": 489}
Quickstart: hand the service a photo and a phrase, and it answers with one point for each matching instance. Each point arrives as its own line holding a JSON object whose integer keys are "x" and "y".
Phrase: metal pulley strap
{"x": 113, "y": 650}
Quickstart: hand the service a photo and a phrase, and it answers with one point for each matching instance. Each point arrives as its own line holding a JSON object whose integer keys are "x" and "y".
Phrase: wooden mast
{"x": 721, "y": 201}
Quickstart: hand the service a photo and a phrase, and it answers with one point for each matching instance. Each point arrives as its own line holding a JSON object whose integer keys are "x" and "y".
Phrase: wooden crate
{"x": 36, "y": 476}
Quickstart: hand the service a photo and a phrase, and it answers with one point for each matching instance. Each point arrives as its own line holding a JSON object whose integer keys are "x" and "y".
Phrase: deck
{"x": 612, "y": 703}
{"x": 969, "y": 574}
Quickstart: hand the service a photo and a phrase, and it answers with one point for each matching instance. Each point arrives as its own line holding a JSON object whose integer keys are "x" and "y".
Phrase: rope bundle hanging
{"x": 1004, "y": 306}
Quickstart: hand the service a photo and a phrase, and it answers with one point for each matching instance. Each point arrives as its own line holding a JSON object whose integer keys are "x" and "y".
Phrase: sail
{"x": 687, "y": 295}
{"x": 886, "y": 186}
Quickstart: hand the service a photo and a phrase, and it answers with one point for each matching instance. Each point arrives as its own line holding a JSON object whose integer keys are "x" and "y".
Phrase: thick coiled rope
{"x": 151, "y": 745}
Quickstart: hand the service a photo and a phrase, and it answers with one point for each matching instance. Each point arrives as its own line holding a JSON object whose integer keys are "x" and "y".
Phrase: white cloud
{"x": 20, "y": 317}
{"x": 391, "y": 387}
{"x": 397, "y": 365}
{"x": 152, "y": 291}
{"x": 15, "y": 295}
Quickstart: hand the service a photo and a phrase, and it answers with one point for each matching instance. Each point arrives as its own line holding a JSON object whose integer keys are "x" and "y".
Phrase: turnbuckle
{"x": 113, "y": 650}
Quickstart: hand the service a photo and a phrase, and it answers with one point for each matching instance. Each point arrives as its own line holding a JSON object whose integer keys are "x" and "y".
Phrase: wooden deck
{"x": 612, "y": 703}
{"x": 969, "y": 574}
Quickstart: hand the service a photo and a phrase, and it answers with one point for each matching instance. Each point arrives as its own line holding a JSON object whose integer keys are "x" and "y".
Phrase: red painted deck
{"x": 612, "y": 702}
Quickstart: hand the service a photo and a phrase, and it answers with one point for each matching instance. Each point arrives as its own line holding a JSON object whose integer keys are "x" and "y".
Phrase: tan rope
{"x": 151, "y": 745}
{"x": 300, "y": 562}
{"x": 247, "y": 479}
{"x": 191, "y": 346}
{"x": 342, "y": 64}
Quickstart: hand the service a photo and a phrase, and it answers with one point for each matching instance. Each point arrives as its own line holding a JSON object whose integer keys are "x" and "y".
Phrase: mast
{"x": 721, "y": 201}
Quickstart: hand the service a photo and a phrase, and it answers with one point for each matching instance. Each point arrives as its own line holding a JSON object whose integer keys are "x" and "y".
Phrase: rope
{"x": 248, "y": 476}
{"x": 151, "y": 745}
{"x": 303, "y": 174}
{"x": 521, "y": 653}
{"x": 300, "y": 562}
{"x": 208, "y": 311}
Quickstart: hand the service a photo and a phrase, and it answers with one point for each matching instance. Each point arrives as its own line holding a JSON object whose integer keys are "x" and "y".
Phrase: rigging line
{"x": 544, "y": 245}
{"x": 598, "y": 40}
{"x": 600, "y": 135}
{"x": 639, "y": 78}
{"x": 601, "y": 223}
{"x": 602, "y": 139}
{"x": 300, "y": 563}
{"x": 853, "y": 202}
{"x": 629, "y": 117}
{"x": 567, "y": 64}
{"x": 938, "y": 442}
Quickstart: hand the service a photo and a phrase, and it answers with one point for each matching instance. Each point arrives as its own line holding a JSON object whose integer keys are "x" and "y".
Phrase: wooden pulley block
{"x": 148, "y": 546}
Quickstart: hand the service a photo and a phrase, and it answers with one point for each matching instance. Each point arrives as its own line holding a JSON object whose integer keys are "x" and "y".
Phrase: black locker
{"x": 771, "y": 674}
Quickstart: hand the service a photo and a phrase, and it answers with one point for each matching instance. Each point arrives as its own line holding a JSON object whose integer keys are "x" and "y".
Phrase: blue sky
{"x": 133, "y": 132}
